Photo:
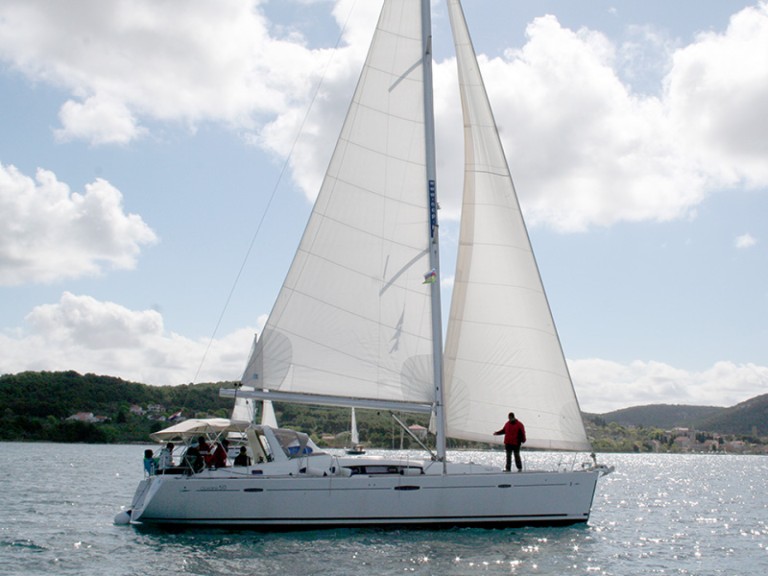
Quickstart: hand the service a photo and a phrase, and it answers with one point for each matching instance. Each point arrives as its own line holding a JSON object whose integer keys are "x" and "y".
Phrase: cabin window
{"x": 386, "y": 469}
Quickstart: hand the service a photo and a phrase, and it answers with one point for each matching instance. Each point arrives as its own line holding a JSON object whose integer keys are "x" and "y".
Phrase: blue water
{"x": 657, "y": 514}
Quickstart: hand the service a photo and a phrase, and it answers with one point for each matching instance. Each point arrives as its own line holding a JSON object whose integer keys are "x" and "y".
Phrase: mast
{"x": 434, "y": 248}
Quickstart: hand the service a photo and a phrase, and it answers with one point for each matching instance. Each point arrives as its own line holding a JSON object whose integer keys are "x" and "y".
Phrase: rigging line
{"x": 284, "y": 168}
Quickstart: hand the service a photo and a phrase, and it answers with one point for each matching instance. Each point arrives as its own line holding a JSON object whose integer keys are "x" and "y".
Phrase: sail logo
{"x": 432, "y": 208}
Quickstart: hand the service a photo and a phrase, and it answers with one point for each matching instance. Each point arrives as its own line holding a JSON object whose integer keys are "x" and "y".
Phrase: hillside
{"x": 748, "y": 418}
{"x": 663, "y": 416}
{"x": 60, "y": 394}
{"x": 37, "y": 406}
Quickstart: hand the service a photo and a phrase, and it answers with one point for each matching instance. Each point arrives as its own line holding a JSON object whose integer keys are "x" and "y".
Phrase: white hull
{"x": 467, "y": 495}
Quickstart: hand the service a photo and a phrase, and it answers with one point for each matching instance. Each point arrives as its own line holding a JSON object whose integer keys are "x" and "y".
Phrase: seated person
{"x": 166, "y": 457}
{"x": 150, "y": 463}
{"x": 219, "y": 456}
{"x": 205, "y": 451}
{"x": 242, "y": 459}
{"x": 193, "y": 459}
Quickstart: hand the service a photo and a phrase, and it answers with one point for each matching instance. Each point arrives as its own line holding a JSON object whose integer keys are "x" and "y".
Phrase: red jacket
{"x": 514, "y": 433}
{"x": 219, "y": 456}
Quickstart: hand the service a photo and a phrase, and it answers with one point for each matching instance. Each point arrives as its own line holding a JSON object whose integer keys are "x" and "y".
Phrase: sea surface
{"x": 657, "y": 514}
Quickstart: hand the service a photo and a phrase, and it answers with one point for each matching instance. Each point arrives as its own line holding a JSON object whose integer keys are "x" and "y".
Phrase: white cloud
{"x": 97, "y": 120}
{"x": 125, "y": 60}
{"x": 745, "y": 241}
{"x": 603, "y": 386}
{"x": 585, "y": 150}
{"x": 326, "y": 96}
{"x": 645, "y": 57}
{"x": 83, "y": 334}
{"x": 717, "y": 94}
{"x": 50, "y": 233}
{"x": 585, "y": 147}
{"x": 87, "y": 335}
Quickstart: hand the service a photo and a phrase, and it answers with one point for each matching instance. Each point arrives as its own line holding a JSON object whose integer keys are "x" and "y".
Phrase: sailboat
{"x": 357, "y": 323}
{"x": 354, "y": 437}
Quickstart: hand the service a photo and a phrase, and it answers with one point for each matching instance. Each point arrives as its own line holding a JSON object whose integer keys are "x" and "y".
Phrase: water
{"x": 657, "y": 514}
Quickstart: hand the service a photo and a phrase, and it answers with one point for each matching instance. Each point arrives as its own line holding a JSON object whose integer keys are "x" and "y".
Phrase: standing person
{"x": 514, "y": 437}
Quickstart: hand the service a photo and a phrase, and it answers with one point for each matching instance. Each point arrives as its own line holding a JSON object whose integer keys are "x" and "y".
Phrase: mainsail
{"x": 353, "y": 317}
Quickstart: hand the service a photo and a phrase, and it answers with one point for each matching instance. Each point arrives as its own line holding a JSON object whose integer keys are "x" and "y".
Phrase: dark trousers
{"x": 510, "y": 448}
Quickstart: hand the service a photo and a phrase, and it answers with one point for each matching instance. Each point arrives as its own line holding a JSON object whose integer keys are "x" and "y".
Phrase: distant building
{"x": 419, "y": 431}
{"x": 683, "y": 442}
{"x": 735, "y": 446}
{"x": 87, "y": 417}
{"x": 711, "y": 445}
{"x": 83, "y": 417}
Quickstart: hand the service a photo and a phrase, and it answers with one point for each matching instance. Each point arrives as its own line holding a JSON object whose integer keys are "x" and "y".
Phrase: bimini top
{"x": 196, "y": 426}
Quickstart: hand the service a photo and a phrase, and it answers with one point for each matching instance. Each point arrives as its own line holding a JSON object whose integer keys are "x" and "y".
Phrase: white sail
{"x": 244, "y": 409}
{"x": 354, "y": 437}
{"x": 268, "y": 417}
{"x": 502, "y": 353}
{"x": 353, "y": 317}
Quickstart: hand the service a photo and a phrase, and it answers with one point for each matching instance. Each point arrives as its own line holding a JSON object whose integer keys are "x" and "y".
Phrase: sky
{"x": 158, "y": 161}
